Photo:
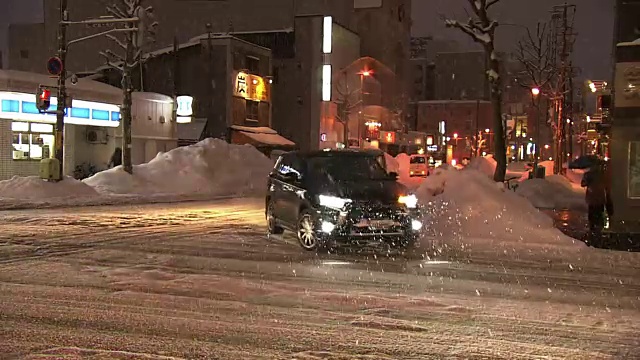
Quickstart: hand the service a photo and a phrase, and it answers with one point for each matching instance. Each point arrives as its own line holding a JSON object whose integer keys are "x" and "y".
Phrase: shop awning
{"x": 191, "y": 131}
{"x": 261, "y": 136}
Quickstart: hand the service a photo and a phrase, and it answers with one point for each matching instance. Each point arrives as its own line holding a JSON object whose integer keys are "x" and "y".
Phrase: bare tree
{"x": 347, "y": 100}
{"x": 132, "y": 43}
{"x": 536, "y": 54}
{"x": 481, "y": 28}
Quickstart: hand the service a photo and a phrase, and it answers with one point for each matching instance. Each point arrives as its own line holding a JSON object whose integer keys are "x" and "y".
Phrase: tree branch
{"x": 117, "y": 41}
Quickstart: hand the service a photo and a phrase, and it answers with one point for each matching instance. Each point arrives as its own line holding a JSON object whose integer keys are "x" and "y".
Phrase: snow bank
{"x": 34, "y": 188}
{"x": 392, "y": 164}
{"x": 554, "y": 192}
{"x": 210, "y": 167}
{"x": 466, "y": 207}
{"x": 484, "y": 164}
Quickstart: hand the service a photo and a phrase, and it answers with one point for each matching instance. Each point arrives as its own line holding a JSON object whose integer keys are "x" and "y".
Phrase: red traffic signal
{"x": 43, "y": 99}
{"x": 54, "y": 66}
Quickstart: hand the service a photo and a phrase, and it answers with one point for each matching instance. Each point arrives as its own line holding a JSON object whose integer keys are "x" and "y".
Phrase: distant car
{"x": 418, "y": 166}
{"x": 340, "y": 197}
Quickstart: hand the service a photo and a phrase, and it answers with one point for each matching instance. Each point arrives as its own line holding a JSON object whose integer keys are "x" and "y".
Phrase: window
{"x": 252, "y": 110}
{"x": 253, "y": 64}
{"x": 418, "y": 160}
{"x": 32, "y": 141}
{"x": 24, "y": 54}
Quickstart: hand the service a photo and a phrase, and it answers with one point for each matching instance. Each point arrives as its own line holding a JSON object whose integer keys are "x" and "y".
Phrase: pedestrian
{"x": 597, "y": 180}
{"x": 116, "y": 158}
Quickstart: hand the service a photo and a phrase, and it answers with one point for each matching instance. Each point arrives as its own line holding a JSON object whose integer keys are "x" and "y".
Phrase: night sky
{"x": 594, "y": 23}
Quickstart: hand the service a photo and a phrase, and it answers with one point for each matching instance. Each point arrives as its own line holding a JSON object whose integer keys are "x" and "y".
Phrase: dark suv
{"x": 340, "y": 197}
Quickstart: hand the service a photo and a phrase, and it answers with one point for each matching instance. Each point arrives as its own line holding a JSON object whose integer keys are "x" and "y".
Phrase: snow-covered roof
{"x": 635, "y": 42}
{"x": 269, "y": 139}
{"x": 255, "y": 130}
{"x": 192, "y": 130}
{"x": 85, "y": 89}
{"x": 263, "y": 134}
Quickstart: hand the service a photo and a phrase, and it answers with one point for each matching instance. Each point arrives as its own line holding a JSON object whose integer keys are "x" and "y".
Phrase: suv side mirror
{"x": 394, "y": 175}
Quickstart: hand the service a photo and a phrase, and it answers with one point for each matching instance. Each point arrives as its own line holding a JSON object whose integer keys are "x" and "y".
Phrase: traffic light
{"x": 43, "y": 98}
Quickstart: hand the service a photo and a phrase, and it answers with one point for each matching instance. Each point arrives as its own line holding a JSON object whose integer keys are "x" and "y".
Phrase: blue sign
{"x": 18, "y": 106}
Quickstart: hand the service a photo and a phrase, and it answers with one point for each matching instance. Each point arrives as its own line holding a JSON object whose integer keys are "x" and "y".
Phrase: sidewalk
{"x": 574, "y": 223}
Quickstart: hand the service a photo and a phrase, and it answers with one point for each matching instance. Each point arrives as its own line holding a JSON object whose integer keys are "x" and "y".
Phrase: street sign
{"x": 54, "y": 66}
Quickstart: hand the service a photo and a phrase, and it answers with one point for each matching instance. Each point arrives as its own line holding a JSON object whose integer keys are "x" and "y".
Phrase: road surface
{"x": 201, "y": 281}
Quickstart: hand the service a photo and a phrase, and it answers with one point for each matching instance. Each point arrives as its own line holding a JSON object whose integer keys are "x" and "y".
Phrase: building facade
{"x": 92, "y": 126}
{"x": 458, "y": 124}
{"x": 625, "y": 129}
{"x": 223, "y": 16}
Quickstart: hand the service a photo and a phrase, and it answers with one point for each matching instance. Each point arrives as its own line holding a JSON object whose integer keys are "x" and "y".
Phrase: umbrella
{"x": 585, "y": 162}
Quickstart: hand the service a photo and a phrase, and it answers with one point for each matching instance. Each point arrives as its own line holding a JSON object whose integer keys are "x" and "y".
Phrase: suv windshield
{"x": 348, "y": 167}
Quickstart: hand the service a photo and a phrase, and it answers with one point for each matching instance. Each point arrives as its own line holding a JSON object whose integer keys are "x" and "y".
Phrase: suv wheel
{"x": 272, "y": 227}
{"x": 306, "y": 231}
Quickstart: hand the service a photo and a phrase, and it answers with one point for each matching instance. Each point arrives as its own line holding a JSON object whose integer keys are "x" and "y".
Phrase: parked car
{"x": 418, "y": 165}
{"x": 340, "y": 197}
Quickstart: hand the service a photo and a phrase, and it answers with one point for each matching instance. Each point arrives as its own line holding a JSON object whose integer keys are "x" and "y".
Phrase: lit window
{"x": 32, "y": 141}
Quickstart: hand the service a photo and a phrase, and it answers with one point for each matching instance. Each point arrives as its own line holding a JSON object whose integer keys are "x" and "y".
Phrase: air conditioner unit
{"x": 97, "y": 136}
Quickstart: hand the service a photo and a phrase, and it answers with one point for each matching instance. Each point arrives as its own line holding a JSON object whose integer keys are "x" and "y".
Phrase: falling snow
{"x": 200, "y": 280}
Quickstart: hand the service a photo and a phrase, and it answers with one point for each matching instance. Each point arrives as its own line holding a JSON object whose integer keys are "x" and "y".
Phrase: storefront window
{"x": 32, "y": 141}
{"x": 634, "y": 170}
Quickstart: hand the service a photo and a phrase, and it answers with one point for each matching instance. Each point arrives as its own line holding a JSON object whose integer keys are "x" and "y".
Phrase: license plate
{"x": 381, "y": 224}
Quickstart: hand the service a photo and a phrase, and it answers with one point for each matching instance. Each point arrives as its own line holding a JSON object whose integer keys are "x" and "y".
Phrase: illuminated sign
{"x": 323, "y": 137}
{"x": 430, "y": 140}
{"x": 432, "y": 148}
{"x": 388, "y": 136}
{"x": 21, "y": 106}
{"x": 326, "y": 82}
{"x": 251, "y": 87}
{"x": 241, "y": 87}
{"x": 184, "y": 106}
{"x": 327, "y": 33}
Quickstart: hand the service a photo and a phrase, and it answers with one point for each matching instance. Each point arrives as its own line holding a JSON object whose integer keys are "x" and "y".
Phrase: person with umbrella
{"x": 597, "y": 180}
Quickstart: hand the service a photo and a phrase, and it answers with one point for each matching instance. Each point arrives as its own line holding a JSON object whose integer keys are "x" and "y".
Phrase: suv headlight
{"x": 410, "y": 201}
{"x": 333, "y": 202}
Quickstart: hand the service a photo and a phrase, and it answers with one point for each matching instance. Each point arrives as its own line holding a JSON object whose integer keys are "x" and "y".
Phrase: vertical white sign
{"x": 326, "y": 82}
{"x": 327, "y": 34}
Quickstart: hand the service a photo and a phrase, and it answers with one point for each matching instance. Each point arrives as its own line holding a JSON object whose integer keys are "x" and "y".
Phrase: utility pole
{"x": 62, "y": 89}
{"x": 563, "y": 17}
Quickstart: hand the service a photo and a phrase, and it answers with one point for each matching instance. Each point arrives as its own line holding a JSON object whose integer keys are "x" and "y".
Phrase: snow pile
{"x": 554, "y": 192}
{"x": 392, "y": 164}
{"x": 467, "y": 207}
{"x": 210, "y": 167}
{"x": 484, "y": 164}
{"x": 403, "y": 161}
{"x": 34, "y": 188}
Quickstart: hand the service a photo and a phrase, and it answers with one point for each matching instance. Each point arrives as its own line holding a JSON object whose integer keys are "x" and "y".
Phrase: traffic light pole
{"x": 62, "y": 89}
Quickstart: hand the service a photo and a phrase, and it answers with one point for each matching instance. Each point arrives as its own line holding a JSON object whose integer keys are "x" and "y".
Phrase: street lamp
{"x": 364, "y": 73}
{"x": 535, "y": 91}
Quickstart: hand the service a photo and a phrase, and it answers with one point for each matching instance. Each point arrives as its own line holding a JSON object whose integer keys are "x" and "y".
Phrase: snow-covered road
{"x": 201, "y": 281}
